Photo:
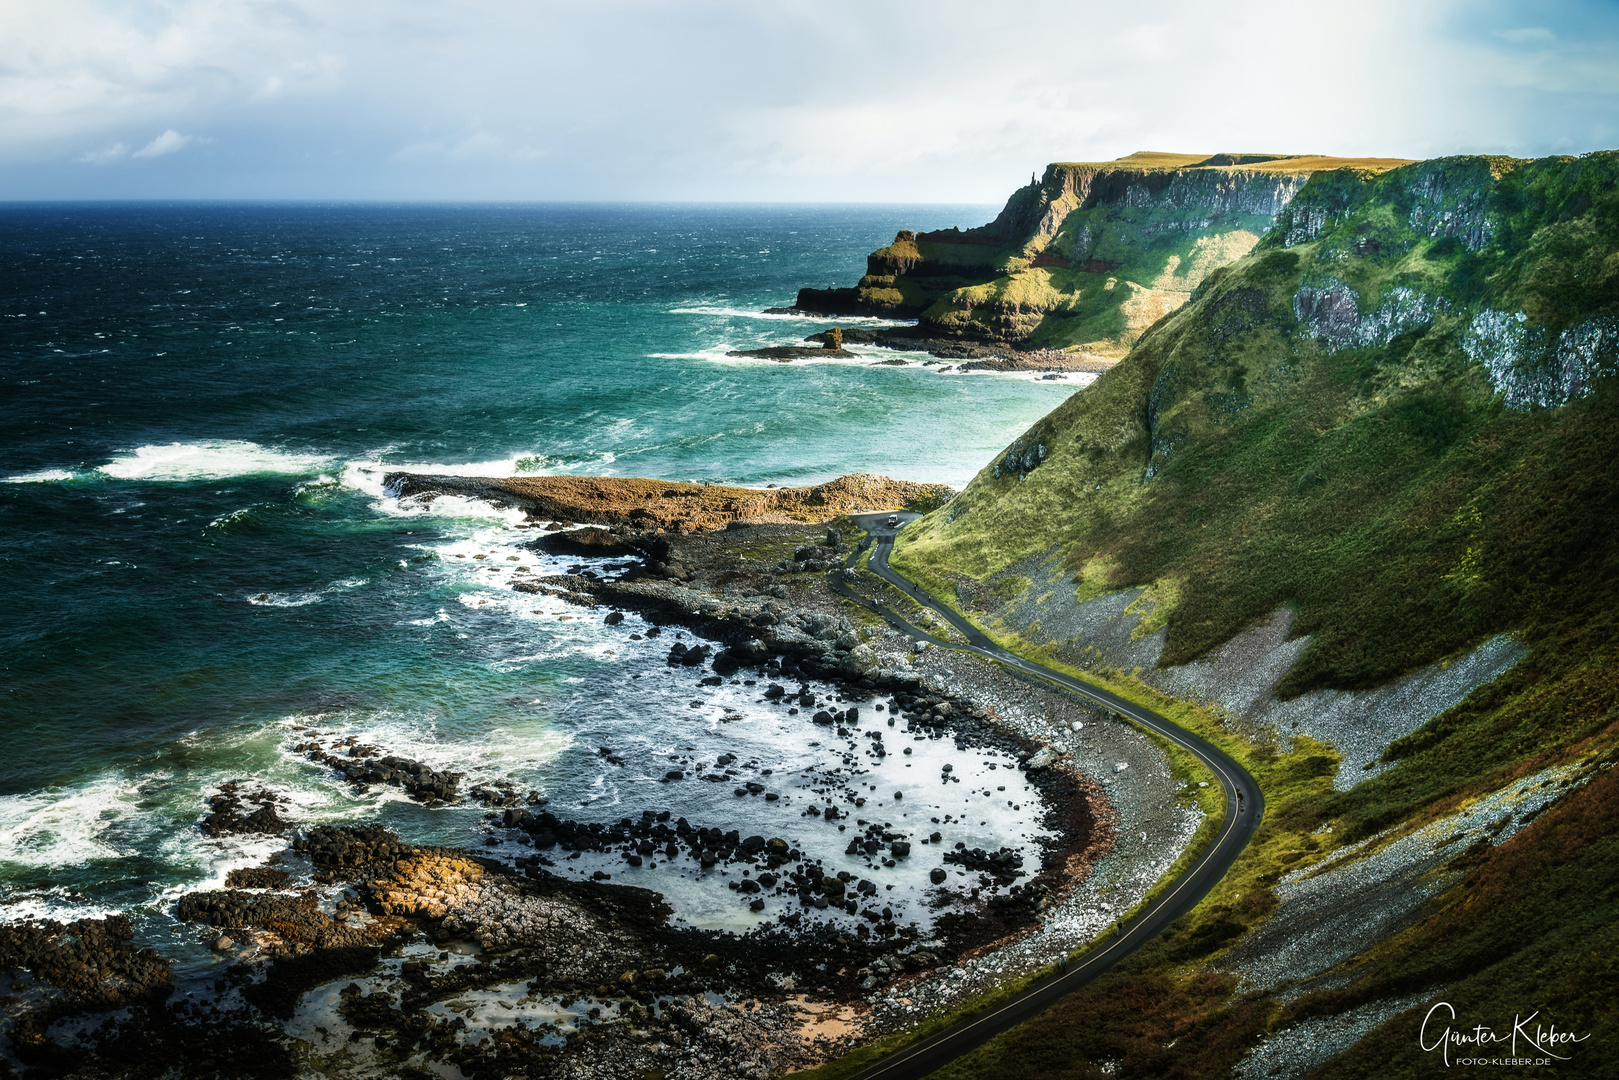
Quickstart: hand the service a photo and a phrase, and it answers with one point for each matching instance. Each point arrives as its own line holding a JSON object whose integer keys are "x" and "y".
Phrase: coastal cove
{"x": 227, "y": 621}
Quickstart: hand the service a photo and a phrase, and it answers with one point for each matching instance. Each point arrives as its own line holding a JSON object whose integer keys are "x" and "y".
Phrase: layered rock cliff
{"x": 1083, "y": 259}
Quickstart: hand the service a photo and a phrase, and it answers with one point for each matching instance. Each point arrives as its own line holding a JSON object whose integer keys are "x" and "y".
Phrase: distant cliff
{"x": 1086, "y": 258}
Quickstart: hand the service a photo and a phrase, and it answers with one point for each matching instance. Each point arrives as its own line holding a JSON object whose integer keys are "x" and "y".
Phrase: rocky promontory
{"x": 672, "y": 506}
{"x": 1083, "y": 259}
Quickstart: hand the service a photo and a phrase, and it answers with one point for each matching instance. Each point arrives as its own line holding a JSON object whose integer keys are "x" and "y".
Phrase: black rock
{"x": 589, "y": 543}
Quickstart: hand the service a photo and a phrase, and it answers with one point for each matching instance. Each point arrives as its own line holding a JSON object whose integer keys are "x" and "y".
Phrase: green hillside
{"x": 1396, "y": 418}
{"x": 1087, "y": 257}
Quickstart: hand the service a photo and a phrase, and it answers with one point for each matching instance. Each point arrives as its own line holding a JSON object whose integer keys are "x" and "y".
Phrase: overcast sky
{"x": 819, "y": 100}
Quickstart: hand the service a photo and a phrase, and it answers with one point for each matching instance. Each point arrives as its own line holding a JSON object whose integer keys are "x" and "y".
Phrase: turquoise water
{"x": 198, "y": 405}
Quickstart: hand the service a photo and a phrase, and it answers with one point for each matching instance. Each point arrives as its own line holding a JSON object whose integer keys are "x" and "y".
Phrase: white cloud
{"x": 105, "y": 156}
{"x": 839, "y": 99}
{"x": 167, "y": 143}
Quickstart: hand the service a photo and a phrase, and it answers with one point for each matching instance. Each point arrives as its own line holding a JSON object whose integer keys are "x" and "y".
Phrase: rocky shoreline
{"x": 354, "y": 952}
{"x": 972, "y": 355}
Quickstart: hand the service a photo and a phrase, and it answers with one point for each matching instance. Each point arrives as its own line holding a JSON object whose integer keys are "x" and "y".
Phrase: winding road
{"x": 1244, "y": 807}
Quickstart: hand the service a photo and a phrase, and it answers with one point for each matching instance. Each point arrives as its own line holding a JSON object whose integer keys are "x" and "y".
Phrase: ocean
{"x": 202, "y": 567}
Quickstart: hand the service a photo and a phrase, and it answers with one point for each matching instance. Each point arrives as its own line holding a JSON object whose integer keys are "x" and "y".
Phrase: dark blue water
{"x": 198, "y": 402}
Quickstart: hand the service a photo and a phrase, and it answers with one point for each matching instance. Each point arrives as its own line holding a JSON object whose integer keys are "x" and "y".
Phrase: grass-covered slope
{"x": 1339, "y": 423}
{"x": 1397, "y": 415}
{"x": 1085, "y": 258}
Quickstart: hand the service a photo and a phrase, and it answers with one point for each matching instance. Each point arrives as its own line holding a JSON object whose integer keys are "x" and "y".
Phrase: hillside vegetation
{"x": 1396, "y": 417}
{"x": 1087, "y": 257}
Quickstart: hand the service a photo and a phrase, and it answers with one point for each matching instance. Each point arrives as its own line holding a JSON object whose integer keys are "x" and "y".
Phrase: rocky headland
{"x": 1080, "y": 263}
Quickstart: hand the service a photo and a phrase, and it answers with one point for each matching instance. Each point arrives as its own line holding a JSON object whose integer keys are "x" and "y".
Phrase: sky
{"x": 762, "y": 100}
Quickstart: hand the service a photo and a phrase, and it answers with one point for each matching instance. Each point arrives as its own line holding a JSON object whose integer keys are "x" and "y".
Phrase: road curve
{"x": 1245, "y": 805}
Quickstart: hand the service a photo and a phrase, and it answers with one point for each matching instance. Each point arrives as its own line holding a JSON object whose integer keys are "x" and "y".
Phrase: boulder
{"x": 590, "y": 543}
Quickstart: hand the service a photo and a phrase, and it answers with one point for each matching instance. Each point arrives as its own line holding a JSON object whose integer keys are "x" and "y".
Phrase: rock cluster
{"x": 339, "y": 853}
{"x": 468, "y": 899}
{"x": 1005, "y": 865}
{"x": 257, "y": 877}
{"x": 290, "y": 925}
{"x": 227, "y": 814}
{"x": 93, "y": 961}
{"x": 365, "y": 765}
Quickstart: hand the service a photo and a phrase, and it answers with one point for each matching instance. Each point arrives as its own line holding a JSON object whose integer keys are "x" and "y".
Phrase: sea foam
{"x": 210, "y": 461}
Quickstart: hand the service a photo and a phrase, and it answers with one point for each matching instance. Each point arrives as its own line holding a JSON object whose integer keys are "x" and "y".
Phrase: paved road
{"x": 1244, "y": 807}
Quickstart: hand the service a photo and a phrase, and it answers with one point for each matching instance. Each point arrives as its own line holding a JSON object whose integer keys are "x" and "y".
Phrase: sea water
{"x": 202, "y": 568}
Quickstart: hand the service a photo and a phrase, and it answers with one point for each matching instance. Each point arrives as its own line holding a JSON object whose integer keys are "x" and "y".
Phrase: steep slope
{"x": 1355, "y": 503}
{"x": 1085, "y": 258}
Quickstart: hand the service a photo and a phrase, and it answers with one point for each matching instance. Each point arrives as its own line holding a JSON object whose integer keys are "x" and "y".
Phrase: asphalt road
{"x": 1245, "y": 805}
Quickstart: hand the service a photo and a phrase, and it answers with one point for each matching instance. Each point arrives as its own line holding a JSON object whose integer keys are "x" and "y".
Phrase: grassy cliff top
{"x": 1290, "y": 164}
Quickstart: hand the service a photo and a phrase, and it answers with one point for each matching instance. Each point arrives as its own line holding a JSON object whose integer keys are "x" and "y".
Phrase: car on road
{"x": 893, "y": 521}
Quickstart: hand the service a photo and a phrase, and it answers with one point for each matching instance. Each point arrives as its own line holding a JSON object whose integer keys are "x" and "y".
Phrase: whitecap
{"x": 43, "y": 476}
{"x": 60, "y": 905}
{"x": 366, "y": 474}
{"x": 209, "y": 461}
{"x": 519, "y": 742}
{"x": 60, "y": 827}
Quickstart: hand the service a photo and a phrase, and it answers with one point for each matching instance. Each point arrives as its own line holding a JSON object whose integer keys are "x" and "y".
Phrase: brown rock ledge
{"x": 651, "y": 505}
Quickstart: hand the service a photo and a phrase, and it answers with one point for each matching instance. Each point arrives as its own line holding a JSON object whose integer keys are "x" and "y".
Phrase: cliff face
{"x": 1084, "y": 259}
{"x": 1356, "y": 499}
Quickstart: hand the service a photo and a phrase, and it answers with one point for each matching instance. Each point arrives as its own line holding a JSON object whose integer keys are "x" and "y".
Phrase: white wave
{"x": 234, "y": 516}
{"x": 453, "y": 507}
{"x": 507, "y": 741}
{"x": 209, "y": 461}
{"x": 301, "y": 599}
{"x": 59, "y": 905}
{"x": 739, "y": 313}
{"x": 58, "y": 827}
{"x": 43, "y": 476}
{"x": 366, "y": 475}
